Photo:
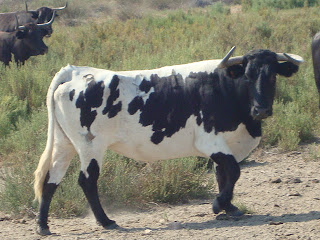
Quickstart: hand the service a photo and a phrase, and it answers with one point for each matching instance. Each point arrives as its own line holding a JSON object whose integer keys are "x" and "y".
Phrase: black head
{"x": 30, "y": 40}
{"x": 44, "y": 15}
{"x": 259, "y": 69}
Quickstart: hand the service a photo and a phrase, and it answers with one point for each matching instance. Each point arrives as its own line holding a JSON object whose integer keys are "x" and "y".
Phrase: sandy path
{"x": 282, "y": 190}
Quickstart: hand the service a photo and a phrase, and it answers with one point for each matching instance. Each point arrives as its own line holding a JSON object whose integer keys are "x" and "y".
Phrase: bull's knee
{"x": 93, "y": 172}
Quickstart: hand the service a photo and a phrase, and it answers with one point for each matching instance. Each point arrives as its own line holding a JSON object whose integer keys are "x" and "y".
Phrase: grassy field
{"x": 121, "y": 35}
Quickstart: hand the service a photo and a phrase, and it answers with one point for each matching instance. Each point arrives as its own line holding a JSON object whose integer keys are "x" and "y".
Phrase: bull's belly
{"x": 149, "y": 152}
{"x": 136, "y": 143}
{"x": 182, "y": 144}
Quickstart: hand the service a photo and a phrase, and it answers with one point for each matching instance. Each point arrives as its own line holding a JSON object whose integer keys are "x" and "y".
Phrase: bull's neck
{"x": 224, "y": 103}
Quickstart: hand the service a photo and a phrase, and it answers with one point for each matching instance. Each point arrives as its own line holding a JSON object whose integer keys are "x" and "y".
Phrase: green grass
{"x": 147, "y": 41}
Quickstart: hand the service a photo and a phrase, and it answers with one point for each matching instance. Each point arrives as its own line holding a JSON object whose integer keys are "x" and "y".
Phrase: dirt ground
{"x": 282, "y": 190}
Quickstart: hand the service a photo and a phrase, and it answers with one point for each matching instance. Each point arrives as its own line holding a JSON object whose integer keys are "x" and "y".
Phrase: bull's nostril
{"x": 260, "y": 113}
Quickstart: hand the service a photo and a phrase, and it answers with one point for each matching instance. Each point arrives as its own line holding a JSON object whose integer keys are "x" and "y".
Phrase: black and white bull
{"x": 39, "y": 16}
{"x": 211, "y": 109}
{"x": 24, "y": 42}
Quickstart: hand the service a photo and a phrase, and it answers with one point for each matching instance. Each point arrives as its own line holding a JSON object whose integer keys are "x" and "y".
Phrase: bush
{"x": 283, "y": 4}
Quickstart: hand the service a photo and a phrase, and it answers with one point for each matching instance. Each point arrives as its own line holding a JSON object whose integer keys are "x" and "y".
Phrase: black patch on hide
{"x": 91, "y": 98}
{"x": 71, "y": 94}
{"x": 111, "y": 109}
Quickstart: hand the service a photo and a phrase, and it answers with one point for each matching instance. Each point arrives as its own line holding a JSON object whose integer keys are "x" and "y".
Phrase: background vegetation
{"x": 144, "y": 34}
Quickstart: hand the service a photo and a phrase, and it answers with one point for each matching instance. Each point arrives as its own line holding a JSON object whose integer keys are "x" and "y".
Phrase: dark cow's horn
{"x": 26, "y": 6}
{"x": 293, "y": 58}
{"x": 227, "y": 61}
{"x": 17, "y": 24}
{"x": 43, "y": 25}
{"x": 60, "y": 8}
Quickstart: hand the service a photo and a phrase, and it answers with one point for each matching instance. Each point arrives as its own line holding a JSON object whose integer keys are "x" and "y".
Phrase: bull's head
{"x": 260, "y": 68}
{"x": 30, "y": 40}
{"x": 43, "y": 15}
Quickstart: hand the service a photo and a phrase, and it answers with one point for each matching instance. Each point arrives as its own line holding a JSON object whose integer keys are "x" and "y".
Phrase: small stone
{"x": 275, "y": 223}
{"x": 276, "y": 180}
{"x": 315, "y": 181}
{"x": 162, "y": 221}
{"x": 294, "y": 180}
{"x": 276, "y": 205}
{"x": 294, "y": 194}
{"x": 23, "y": 221}
{"x": 147, "y": 231}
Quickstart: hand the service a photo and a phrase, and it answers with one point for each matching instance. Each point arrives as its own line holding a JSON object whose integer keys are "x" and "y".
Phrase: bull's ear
{"x": 235, "y": 71}
{"x": 287, "y": 69}
{"x": 20, "y": 34}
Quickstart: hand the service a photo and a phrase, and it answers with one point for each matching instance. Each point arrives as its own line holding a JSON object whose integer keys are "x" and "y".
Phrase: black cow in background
{"x": 315, "y": 49}
{"x": 24, "y": 42}
{"x": 39, "y": 16}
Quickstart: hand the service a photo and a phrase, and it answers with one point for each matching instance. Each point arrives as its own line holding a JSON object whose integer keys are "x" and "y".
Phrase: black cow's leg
{"x": 90, "y": 189}
{"x": 227, "y": 174}
{"x": 47, "y": 194}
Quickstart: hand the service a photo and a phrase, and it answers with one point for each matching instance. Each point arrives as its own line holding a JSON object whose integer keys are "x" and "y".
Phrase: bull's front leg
{"x": 227, "y": 173}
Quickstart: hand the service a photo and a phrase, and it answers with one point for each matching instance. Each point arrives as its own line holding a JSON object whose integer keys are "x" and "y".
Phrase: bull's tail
{"x": 45, "y": 162}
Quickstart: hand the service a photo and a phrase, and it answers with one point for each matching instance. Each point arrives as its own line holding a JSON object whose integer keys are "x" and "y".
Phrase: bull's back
{"x": 8, "y": 21}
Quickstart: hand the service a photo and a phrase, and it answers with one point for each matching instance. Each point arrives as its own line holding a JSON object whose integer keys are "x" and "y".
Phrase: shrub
{"x": 283, "y": 4}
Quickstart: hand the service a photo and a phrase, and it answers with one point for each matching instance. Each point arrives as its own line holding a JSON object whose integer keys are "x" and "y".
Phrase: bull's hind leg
{"x": 90, "y": 171}
{"x": 227, "y": 174}
{"x": 63, "y": 152}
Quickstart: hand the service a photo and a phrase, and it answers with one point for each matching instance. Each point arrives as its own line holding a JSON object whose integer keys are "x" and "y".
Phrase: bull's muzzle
{"x": 44, "y": 50}
{"x": 259, "y": 113}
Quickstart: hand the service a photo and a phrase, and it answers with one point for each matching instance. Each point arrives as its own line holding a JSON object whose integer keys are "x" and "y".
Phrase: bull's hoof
{"x": 43, "y": 231}
{"x": 216, "y": 206}
{"x": 111, "y": 226}
{"x": 233, "y": 211}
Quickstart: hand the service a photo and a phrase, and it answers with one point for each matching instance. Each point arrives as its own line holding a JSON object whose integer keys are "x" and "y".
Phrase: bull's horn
{"x": 26, "y": 6}
{"x": 226, "y": 58}
{"x": 17, "y": 24}
{"x": 41, "y": 25}
{"x": 227, "y": 61}
{"x": 295, "y": 59}
{"x": 60, "y": 8}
